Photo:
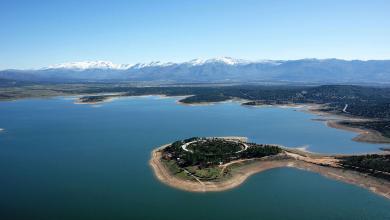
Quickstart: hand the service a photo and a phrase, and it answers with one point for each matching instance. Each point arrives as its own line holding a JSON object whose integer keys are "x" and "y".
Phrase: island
{"x": 205, "y": 164}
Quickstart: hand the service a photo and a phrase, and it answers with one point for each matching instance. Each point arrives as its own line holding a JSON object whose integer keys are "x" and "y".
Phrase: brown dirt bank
{"x": 244, "y": 169}
{"x": 364, "y": 135}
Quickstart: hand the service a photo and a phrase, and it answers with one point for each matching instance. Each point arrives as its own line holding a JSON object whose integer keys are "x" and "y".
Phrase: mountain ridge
{"x": 221, "y": 69}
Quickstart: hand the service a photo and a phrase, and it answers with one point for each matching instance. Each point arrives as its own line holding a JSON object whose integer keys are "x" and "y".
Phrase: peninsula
{"x": 221, "y": 163}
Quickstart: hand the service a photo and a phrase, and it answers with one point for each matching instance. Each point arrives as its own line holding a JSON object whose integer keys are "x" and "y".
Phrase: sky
{"x": 40, "y": 33}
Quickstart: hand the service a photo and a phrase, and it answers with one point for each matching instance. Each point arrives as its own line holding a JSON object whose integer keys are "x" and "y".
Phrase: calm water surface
{"x": 59, "y": 160}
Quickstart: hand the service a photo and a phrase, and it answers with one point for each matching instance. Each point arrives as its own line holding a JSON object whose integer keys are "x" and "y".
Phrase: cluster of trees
{"x": 215, "y": 146}
{"x": 175, "y": 148}
{"x": 377, "y": 165}
{"x": 96, "y": 98}
{"x": 260, "y": 150}
{"x": 210, "y": 152}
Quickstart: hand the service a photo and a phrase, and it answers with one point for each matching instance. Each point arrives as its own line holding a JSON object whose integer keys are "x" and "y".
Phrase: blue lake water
{"x": 59, "y": 160}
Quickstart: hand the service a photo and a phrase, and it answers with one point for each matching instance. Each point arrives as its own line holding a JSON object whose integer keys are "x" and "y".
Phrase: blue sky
{"x": 39, "y": 33}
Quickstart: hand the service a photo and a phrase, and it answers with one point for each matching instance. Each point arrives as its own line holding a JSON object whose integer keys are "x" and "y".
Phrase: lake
{"x": 59, "y": 160}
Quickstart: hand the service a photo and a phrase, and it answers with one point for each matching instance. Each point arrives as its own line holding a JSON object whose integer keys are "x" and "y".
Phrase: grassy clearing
{"x": 209, "y": 173}
{"x": 175, "y": 170}
{"x": 172, "y": 166}
{"x": 184, "y": 175}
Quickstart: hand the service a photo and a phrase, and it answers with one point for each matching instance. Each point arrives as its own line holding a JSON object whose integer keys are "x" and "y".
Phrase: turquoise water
{"x": 59, "y": 160}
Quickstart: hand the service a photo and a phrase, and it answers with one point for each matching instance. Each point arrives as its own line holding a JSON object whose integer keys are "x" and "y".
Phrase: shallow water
{"x": 59, "y": 160}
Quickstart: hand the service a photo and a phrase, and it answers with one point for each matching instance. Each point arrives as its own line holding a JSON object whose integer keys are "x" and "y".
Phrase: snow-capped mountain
{"x": 222, "y": 69}
{"x": 151, "y": 64}
{"x": 222, "y": 60}
{"x": 83, "y": 65}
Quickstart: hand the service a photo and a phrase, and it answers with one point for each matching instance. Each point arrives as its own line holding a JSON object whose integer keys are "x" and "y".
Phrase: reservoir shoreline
{"x": 331, "y": 119}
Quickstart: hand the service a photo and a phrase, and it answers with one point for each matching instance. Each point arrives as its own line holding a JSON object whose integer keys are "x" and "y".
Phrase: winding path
{"x": 345, "y": 108}
{"x": 193, "y": 176}
{"x": 184, "y": 146}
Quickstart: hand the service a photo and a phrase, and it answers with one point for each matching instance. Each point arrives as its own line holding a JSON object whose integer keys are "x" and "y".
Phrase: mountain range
{"x": 217, "y": 70}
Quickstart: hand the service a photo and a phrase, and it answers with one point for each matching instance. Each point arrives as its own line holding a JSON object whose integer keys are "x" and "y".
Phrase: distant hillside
{"x": 222, "y": 70}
